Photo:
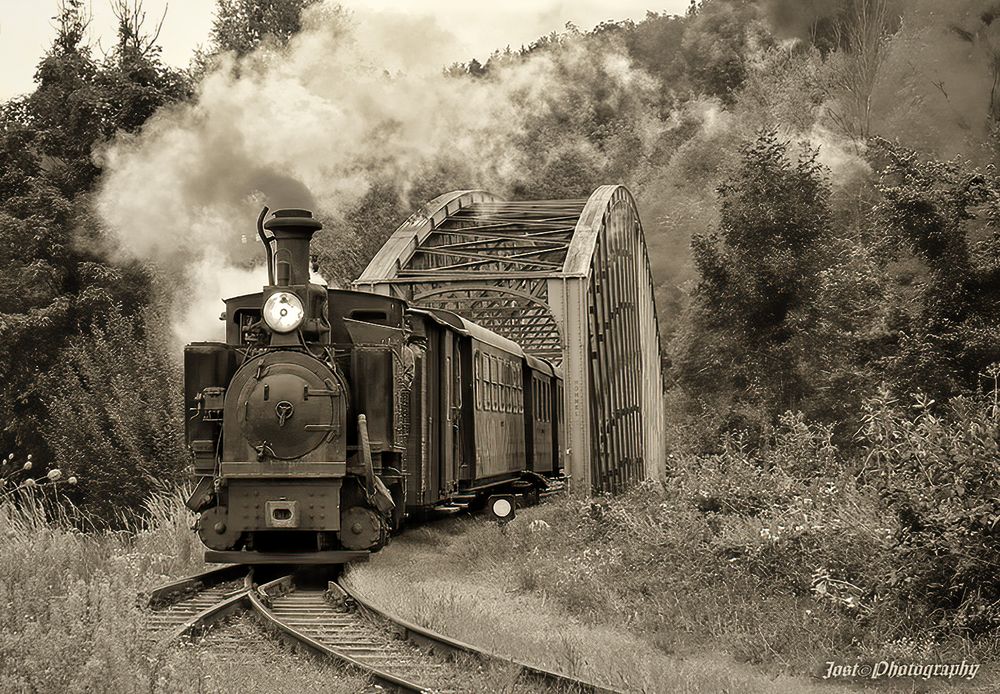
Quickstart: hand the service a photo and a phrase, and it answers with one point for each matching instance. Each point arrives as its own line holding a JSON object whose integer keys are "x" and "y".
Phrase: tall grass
{"x": 72, "y": 618}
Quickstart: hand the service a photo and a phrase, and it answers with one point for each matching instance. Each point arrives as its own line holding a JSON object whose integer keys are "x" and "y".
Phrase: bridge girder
{"x": 568, "y": 280}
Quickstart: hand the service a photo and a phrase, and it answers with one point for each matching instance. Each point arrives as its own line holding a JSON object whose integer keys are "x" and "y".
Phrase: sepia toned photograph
{"x": 532, "y": 347}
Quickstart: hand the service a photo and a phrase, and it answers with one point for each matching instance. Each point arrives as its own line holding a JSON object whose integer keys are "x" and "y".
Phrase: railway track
{"x": 185, "y": 608}
{"x": 332, "y": 620}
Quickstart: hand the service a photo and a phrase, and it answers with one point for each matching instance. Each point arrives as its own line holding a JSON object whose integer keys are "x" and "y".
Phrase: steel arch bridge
{"x": 568, "y": 280}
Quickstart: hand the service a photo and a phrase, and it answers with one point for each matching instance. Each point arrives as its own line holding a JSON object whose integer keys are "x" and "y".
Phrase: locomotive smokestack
{"x": 292, "y": 229}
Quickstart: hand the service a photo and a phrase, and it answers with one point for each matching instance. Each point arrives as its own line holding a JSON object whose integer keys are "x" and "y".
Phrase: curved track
{"x": 461, "y": 651}
{"x": 187, "y": 607}
{"x": 334, "y": 621}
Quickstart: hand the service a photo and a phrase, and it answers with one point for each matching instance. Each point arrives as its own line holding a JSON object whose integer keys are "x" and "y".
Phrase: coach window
{"x": 503, "y": 386}
{"x": 499, "y": 384}
{"x": 502, "y": 373}
{"x": 475, "y": 376}
{"x": 501, "y": 404}
{"x": 493, "y": 383}
{"x": 548, "y": 403}
{"x": 519, "y": 375}
{"x": 513, "y": 388}
{"x": 520, "y": 392}
{"x": 486, "y": 381}
{"x": 538, "y": 400}
{"x": 541, "y": 401}
{"x": 497, "y": 388}
{"x": 488, "y": 385}
{"x": 510, "y": 386}
{"x": 496, "y": 383}
{"x": 514, "y": 380}
{"x": 506, "y": 386}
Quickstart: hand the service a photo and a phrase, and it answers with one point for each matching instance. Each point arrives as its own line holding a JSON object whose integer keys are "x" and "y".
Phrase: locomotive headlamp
{"x": 283, "y": 312}
{"x": 502, "y": 508}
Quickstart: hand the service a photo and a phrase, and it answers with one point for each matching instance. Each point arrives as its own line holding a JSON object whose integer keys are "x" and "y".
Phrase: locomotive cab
{"x": 282, "y": 455}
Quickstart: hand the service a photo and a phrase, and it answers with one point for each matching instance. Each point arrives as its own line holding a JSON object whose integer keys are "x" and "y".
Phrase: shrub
{"x": 115, "y": 417}
{"x": 939, "y": 473}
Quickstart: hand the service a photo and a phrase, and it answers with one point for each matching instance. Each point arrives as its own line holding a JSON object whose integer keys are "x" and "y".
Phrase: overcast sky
{"x": 26, "y": 26}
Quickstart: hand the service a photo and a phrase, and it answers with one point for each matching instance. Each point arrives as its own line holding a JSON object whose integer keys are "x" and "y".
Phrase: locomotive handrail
{"x": 267, "y": 241}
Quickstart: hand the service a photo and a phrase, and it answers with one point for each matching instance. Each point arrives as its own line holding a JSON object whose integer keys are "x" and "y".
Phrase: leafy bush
{"x": 115, "y": 415}
{"x": 900, "y": 534}
{"x": 939, "y": 473}
{"x": 788, "y": 513}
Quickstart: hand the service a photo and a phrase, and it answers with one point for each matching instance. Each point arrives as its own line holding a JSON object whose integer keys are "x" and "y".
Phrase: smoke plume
{"x": 351, "y": 100}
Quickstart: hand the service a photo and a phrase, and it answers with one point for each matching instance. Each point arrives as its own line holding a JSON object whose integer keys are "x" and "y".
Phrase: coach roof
{"x": 474, "y": 330}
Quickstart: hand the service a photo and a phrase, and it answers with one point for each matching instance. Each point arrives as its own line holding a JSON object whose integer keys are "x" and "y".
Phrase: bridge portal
{"x": 568, "y": 280}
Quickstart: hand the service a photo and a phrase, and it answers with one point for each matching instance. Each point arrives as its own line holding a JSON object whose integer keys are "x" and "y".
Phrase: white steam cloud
{"x": 349, "y": 100}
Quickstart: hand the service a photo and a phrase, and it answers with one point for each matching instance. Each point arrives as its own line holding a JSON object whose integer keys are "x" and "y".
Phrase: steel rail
{"x": 260, "y": 599}
{"x": 171, "y": 592}
{"x": 192, "y": 605}
{"x": 434, "y": 640}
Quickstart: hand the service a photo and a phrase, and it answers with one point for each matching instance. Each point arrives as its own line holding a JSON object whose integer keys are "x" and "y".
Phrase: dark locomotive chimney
{"x": 292, "y": 230}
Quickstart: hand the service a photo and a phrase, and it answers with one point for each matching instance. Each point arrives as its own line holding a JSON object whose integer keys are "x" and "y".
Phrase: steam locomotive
{"x": 328, "y": 416}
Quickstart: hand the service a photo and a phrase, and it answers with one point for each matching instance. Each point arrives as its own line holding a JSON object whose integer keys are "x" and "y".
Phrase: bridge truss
{"x": 568, "y": 280}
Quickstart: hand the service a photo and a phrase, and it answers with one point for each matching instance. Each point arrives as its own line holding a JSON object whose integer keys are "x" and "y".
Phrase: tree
{"x": 755, "y": 301}
{"x": 716, "y": 45}
{"x": 865, "y": 39}
{"x": 985, "y": 36}
{"x": 133, "y": 79}
{"x": 243, "y": 25}
{"x": 945, "y": 322}
{"x": 115, "y": 420}
{"x": 59, "y": 281}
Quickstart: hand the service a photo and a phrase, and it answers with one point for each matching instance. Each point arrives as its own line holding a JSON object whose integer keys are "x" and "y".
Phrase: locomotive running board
{"x": 240, "y": 557}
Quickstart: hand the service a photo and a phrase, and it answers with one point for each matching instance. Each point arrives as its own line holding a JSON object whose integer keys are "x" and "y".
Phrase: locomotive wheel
{"x": 215, "y": 531}
{"x": 361, "y": 528}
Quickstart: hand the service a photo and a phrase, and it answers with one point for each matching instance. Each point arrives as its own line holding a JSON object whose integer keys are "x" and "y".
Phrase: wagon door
{"x": 451, "y": 410}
